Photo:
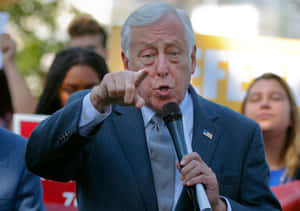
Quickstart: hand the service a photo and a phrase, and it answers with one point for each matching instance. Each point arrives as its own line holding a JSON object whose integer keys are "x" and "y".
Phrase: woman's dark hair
{"x": 6, "y": 103}
{"x": 63, "y": 62}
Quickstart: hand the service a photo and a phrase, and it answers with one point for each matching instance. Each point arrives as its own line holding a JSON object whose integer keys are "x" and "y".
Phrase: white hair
{"x": 151, "y": 13}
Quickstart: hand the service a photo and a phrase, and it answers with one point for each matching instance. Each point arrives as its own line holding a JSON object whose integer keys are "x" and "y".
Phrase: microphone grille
{"x": 171, "y": 112}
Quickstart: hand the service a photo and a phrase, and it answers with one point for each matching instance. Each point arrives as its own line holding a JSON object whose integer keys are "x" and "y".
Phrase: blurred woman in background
{"x": 269, "y": 102}
{"x": 73, "y": 69}
{"x": 15, "y": 95}
{"x": 6, "y": 107}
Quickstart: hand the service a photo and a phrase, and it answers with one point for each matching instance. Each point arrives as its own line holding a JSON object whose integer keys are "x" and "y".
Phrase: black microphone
{"x": 173, "y": 119}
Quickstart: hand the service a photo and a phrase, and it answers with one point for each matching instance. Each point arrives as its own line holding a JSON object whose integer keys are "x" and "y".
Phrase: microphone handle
{"x": 192, "y": 193}
{"x": 176, "y": 131}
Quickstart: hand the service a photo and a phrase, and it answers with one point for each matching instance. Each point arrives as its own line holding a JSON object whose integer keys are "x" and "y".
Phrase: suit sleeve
{"x": 29, "y": 195}
{"x": 255, "y": 193}
{"x": 55, "y": 148}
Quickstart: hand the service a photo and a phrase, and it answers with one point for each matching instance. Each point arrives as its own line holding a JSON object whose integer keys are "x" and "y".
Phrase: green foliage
{"x": 43, "y": 13}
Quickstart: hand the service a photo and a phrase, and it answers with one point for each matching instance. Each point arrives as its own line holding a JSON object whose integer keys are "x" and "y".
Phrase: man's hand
{"x": 195, "y": 171}
{"x": 8, "y": 48}
{"x": 118, "y": 88}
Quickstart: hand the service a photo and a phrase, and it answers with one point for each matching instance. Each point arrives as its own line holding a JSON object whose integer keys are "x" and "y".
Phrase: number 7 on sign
{"x": 70, "y": 197}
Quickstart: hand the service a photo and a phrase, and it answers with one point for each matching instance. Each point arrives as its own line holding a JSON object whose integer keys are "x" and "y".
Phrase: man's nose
{"x": 162, "y": 65}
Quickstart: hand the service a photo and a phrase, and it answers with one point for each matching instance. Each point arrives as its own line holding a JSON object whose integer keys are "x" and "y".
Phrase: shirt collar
{"x": 148, "y": 113}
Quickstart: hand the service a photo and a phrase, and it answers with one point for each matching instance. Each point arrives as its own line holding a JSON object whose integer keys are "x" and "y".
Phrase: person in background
{"x": 84, "y": 31}
{"x": 73, "y": 69}
{"x": 21, "y": 98}
{"x": 20, "y": 189}
{"x": 270, "y": 102}
{"x": 6, "y": 108}
{"x": 105, "y": 139}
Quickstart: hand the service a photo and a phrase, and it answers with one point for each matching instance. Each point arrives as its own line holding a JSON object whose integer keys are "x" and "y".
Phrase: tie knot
{"x": 156, "y": 123}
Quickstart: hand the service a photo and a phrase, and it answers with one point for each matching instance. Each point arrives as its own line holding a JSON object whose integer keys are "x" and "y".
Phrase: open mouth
{"x": 163, "y": 90}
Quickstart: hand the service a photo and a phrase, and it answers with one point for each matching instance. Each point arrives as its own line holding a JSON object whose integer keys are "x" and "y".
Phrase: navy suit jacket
{"x": 112, "y": 167}
{"x": 19, "y": 189}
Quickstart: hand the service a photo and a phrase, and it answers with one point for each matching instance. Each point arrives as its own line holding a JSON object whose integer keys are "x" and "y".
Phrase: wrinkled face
{"x": 268, "y": 105}
{"x": 77, "y": 78}
{"x": 89, "y": 41}
{"x": 161, "y": 49}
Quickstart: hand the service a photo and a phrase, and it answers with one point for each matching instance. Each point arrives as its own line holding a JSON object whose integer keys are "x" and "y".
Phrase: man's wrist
{"x": 96, "y": 100}
{"x": 221, "y": 205}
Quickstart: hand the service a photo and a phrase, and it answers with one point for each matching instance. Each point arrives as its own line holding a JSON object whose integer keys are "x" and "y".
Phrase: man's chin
{"x": 158, "y": 105}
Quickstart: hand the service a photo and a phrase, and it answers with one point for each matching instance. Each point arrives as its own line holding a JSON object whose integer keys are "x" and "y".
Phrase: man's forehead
{"x": 156, "y": 43}
{"x": 150, "y": 39}
{"x": 165, "y": 19}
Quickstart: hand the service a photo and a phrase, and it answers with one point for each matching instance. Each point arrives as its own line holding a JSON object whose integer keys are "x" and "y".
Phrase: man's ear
{"x": 125, "y": 61}
{"x": 193, "y": 58}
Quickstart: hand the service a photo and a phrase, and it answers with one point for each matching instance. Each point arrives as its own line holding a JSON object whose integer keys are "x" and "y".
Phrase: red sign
{"x": 27, "y": 128}
{"x": 288, "y": 195}
{"x": 58, "y": 196}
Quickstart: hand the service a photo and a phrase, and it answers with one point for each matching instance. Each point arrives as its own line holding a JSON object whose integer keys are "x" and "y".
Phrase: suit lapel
{"x": 204, "y": 132}
{"x": 130, "y": 126}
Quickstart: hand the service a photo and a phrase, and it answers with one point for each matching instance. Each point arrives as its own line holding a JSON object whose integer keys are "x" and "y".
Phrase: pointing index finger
{"x": 140, "y": 76}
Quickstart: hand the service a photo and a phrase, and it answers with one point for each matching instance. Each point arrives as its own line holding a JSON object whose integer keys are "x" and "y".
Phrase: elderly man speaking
{"x": 113, "y": 143}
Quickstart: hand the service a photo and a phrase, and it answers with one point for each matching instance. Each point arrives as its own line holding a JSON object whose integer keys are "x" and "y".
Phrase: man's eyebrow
{"x": 151, "y": 44}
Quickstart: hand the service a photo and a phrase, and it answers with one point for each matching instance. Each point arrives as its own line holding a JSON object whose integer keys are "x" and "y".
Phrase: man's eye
{"x": 174, "y": 54}
{"x": 147, "y": 56}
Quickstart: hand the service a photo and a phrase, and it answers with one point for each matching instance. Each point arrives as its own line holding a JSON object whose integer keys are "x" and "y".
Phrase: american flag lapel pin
{"x": 207, "y": 134}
